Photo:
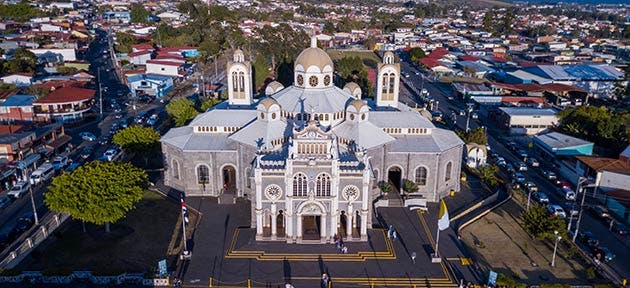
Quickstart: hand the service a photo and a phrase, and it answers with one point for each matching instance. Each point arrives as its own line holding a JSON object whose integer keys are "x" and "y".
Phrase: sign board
{"x": 162, "y": 267}
{"x": 492, "y": 278}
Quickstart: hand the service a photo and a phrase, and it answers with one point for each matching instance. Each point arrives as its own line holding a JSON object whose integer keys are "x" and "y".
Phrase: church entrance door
{"x": 394, "y": 176}
{"x": 310, "y": 227}
{"x": 229, "y": 179}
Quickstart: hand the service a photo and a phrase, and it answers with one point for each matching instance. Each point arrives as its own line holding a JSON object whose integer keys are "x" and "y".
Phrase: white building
{"x": 310, "y": 156}
{"x": 527, "y": 121}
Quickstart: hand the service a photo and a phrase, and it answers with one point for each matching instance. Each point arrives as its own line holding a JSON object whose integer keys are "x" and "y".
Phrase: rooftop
{"x": 67, "y": 95}
{"x": 18, "y": 100}
{"x": 526, "y": 111}
{"x": 605, "y": 164}
{"x": 557, "y": 140}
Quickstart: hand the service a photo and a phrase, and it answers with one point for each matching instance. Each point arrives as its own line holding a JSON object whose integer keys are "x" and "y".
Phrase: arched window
{"x": 203, "y": 174}
{"x": 421, "y": 176}
{"x": 449, "y": 167}
{"x": 175, "y": 169}
{"x": 235, "y": 81}
{"x": 385, "y": 85}
{"x": 392, "y": 81}
{"x": 299, "y": 185}
{"x": 241, "y": 77}
{"x": 326, "y": 117}
{"x": 323, "y": 185}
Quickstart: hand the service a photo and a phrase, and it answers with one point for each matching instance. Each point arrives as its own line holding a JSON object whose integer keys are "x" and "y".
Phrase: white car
{"x": 556, "y": 210}
{"x": 111, "y": 154}
{"x": 568, "y": 194}
{"x": 18, "y": 189}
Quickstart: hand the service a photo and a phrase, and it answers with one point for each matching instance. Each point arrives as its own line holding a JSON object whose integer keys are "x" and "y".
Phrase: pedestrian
{"x": 344, "y": 250}
{"x": 394, "y": 235}
{"x": 324, "y": 281}
{"x": 340, "y": 248}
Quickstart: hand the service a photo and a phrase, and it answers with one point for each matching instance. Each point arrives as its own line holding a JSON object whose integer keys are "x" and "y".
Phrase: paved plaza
{"x": 226, "y": 253}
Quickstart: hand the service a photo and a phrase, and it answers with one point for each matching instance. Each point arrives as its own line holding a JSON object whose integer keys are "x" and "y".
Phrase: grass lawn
{"x": 369, "y": 58}
{"x": 135, "y": 243}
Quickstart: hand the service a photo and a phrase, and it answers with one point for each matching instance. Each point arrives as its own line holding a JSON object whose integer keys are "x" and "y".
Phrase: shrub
{"x": 386, "y": 187}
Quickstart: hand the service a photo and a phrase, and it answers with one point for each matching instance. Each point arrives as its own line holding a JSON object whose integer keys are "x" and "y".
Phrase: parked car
{"x": 572, "y": 208}
{"x": 44, "y": 173}
{"x": 23, "y": 223}
{"x": 19, "y": 189}
{"x": 519, "y": 178}
{"x": 603, "y": 254}
{"x": 550, "y": 175}
{"x": 599, "y": 211}
{"x": 521, "y": 166}
{"x": 104, "y": 140}
{"x": 501, "y": 162}
{"x": 87, "y": 136}
{"x": 111, "y": 154}
{"x": 59, "y": 162}
{"x": 568, "y": 194}
{"x": 509, "y": 168}
{"x": 531, "y": 187}
{"x": 540, "y": 197}
{"x": 152, "y": 120}
{"x": 140, "y": 118}
{"x": 523, "y": 154}
{"x": 474, "y": 115}
{"x": 588, "y": 239}
{"x": 533, "y": 162}
{"x": 5, "y": 201}
{"x": 556, "y": 210}
{"x": 86, "y": 152}
{"x": 565, "y": 184}
{"x": 616, "y": 226}
{"x": 123, "y": 123}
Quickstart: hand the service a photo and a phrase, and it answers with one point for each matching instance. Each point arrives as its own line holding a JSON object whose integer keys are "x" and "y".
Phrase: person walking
{"x": 394, "y": 235}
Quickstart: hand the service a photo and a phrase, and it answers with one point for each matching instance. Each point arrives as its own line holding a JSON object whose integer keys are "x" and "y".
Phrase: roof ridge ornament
{"x": 313, "y": 41}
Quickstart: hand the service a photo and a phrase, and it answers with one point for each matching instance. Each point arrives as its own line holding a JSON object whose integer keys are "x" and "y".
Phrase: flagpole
{"x": 437, "y": 242}
{"x": 184, "y": 230}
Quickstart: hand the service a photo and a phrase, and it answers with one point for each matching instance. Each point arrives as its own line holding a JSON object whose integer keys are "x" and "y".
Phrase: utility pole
{"x": 100, "y": 92}
{"x": 27, "y": 179}
{"x": 580, "y": 188}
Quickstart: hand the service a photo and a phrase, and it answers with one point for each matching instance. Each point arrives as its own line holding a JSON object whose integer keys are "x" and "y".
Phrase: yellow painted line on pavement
{"x": 390, "y": 254}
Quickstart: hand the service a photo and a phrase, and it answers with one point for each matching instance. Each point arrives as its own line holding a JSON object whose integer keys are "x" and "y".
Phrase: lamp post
{"x": 555, "y": 248}
{"x": 529, "y": 197}
{"x": 27, "y": 178}
{"x": 468, "y": 112}
{"x": 579, "y": 189}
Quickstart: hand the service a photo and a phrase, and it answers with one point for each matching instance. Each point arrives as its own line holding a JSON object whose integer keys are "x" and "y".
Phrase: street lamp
{"x": 529, "y": 197}
{"x": 555, "y": 248}
{"x": 27, "y": 178}
{"x": 579, "y": 189}
{"x": 468, "y": 112}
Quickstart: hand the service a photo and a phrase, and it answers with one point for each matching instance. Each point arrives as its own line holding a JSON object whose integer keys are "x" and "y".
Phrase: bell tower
{"x": 388, "y": 81}
{"x": 239, "y": 74}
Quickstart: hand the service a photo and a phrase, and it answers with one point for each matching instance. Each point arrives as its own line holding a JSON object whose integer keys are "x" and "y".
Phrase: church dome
{"x": 273, "y": 87}
{"x": 357, "y": 104}
{"x": 314, "y": 56}
{"x": 266, "y": 103}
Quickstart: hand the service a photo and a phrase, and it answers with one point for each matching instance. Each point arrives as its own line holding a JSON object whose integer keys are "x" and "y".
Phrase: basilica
{"x": 310, "y": 157}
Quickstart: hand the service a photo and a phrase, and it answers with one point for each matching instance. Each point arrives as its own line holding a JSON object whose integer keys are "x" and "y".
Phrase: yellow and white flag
{"x": 443, "y": 221}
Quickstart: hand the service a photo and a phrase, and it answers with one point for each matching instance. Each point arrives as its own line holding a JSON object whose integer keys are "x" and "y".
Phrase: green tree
{"x": 385, "y": 187}
{"x": 209, "y": 103}
{"x": 124, "y": 41}
{"x": 21, "y": 61}
{"x": 19, "y": 12}
{"x": 537, "y": 223}
{"x": 488, "y": 174}
{"x": 488, "y": 21}
{"x": 477, "y": 136}
{"x": 99, "y": 192}
{"x": 138, "y": 14}
{"x": 416, "y": 53}
{"x": 410, "y": 187}
{"x": 181, "y": 111}
{"x": 508, "y": 19}
{"x": 606, "y": 128}
{"x": 351, "y": 69}
{"x": 66, "y": 70}
{"x": 329, "y": 28}
{"x": 138, "y": 140}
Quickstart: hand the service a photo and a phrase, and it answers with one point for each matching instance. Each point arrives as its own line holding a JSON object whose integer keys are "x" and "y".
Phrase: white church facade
{"x": 310, "y": 156}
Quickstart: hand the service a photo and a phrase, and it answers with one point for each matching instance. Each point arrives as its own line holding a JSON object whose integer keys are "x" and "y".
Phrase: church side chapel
{"x": 310, "y": 156}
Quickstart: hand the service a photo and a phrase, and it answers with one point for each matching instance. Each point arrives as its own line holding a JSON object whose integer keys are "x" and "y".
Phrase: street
{"x": 497, "y": 140}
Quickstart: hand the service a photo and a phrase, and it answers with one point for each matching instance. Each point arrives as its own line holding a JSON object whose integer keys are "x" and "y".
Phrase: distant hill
{"x": 574, "y": 1}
